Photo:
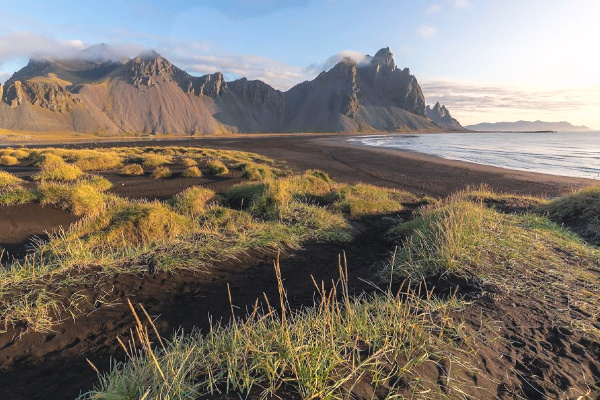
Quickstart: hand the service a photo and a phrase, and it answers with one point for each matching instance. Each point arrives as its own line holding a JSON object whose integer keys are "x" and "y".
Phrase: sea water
{"x": 565, "y": 153}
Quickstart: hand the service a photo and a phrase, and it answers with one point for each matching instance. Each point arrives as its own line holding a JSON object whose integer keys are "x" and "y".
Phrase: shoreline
{"x": 346, "y": 162}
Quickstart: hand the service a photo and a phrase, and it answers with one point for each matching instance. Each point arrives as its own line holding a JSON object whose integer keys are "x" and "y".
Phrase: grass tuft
{"x": 191, "y": 172}
{"x": 54, "y": 168}
{"x": 217, "y": 167}
{"x": 359, "y": 200}
{"x": 8, "y": 160}
{"x": 102, "y": 161}
{"x": 189, "y": 162}
{"x": 580, "y": 211}
{"x": 132, "y": 170}
{"x": 7, "y": 179}
{"x": 161, "y": 172}
{"x": 155, "y": 160}
{"x": 193, "y": 201}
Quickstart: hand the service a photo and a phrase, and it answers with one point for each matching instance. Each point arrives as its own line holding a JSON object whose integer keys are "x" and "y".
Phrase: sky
{"x": 486, "y": 60}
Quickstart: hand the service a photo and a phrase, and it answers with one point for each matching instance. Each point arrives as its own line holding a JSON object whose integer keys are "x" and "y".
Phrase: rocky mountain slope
{"x": 100, "y": 93}
{"x": 441, "y": 116}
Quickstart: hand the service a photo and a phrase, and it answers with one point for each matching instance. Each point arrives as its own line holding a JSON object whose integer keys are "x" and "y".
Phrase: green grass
{"x": 12, "y": 195}
{"x": 255, "y": 171}
{"x": 132, "y": 170}
{"x": 217, "y": 167}
{"x": 81, "y": 198}
{"x": 526, "y": 253}
{"x": 193, "y": 201}
{"x": 161, "y": 172}
{"x": 360, "y": 200}
{"x": 579, "y": 210}
{"x": 7, "y": 179}
{"x": 54, "y": 168}
{"x": 385, "y": 340}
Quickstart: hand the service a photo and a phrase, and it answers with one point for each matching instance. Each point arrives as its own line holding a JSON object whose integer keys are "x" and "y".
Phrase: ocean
{"x": 565, "y": 153}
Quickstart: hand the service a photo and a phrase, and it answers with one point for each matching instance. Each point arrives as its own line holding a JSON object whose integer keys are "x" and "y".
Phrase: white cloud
{"x": 26, "y": 44}
{"x": 434, "y": 8}
{"x": 461, "y": 3}
{"x": 472, "y": 102}
{"x": 426, "y": 31}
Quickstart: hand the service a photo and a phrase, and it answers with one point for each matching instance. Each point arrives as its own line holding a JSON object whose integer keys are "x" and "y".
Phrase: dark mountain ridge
{"x": 101, "y": 92}
{"x": 528, "y": 126}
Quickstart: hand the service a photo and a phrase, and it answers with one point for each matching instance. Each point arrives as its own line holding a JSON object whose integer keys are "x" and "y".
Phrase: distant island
{"x": 529, "y": 126}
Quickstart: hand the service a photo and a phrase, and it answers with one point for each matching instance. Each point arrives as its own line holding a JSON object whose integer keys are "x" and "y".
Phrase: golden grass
{"x": 54, "y": 168}
{"x": 189, "y": 162}
{"x": 155, "y": 160}
{"x": 161, "y": 172}
{"x": 132, "y": 170}
{"x": 8, "y": 179}
{"x": 217, "y": 167}
{"x": 81, "y": 198}
{"x": 191, "y": 172}
{"x": 102, "y": 161}
{"x": 193, "y": 201}
{"x": 361, "y": 199}
{"x": 8, "y": 160}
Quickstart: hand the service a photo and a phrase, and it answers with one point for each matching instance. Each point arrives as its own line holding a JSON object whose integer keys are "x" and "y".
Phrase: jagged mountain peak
{"x": 384, "y": 57}
{"x": 440, "y": 115}
{"x": 149, "y": 94}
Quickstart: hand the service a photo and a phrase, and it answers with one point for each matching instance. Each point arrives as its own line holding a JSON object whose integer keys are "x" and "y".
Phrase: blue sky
{"x": 487, "y": 60}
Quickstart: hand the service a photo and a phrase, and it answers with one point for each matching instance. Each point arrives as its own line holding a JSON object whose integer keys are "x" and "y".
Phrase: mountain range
{"x": 528, "y": 126}
{"x": 99, "y": 92}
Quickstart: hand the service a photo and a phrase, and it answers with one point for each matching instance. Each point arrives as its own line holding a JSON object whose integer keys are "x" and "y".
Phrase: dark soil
{"x": 19, "y": 224}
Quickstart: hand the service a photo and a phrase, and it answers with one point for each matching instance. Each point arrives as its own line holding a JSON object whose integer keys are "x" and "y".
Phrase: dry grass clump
{"x": 264, "y": 197}
{"x": 191, "y": 172}
{"x": 580, "y": 211}
{"x": 82, "y": 198}
{"x": 504, "y": 202}
{"x": 161, "y": 172}
{"x": 189, "y": 162}
{"x": 256, "y": 172}
{"x": 8, "y": 179}
{"x": 155, "y": 160}
{"x": 217, "y": 167}
{"x": 361, "y": 199}
{"x": 129, "y": 224}
{"x": 316, "y": 222}
{"x": 132, "y": 170}
{"x": 526, "y": 253}
{"x": 387, "y": 341}
{"x": 102, "y": 161}
{"x": 8, "y": 160}
{"x": 20, "y": 154}
{"x": 193, "y": 201}
{"x": 54, "y": 168}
